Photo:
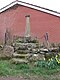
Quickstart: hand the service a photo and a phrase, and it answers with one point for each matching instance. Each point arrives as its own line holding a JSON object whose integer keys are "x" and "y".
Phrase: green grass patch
{"x": 9, "y": 69}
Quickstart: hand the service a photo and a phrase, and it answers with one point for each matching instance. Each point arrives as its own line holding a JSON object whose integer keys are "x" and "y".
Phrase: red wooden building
{"x": 42, "y": 20}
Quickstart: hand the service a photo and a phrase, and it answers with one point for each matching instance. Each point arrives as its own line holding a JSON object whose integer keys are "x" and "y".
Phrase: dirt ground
{"x": 51, "y": 77}
{"x": 11, "y": 78}
{"x": 20, "y": 78}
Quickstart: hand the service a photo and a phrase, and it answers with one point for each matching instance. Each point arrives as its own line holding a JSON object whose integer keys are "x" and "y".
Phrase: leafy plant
{"x": 50, "y": 64}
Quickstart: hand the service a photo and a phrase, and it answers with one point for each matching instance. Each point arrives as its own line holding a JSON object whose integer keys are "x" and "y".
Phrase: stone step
{"x": 23, "y": 51}
{"x": 18, "y": 60}
{"x": 19, "y": 55}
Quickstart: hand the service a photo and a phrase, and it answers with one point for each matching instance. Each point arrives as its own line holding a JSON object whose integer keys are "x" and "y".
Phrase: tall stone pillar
{"x": 27, "y": 28}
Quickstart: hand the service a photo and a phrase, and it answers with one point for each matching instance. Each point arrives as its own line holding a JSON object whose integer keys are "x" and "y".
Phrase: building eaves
{"x": 30, "y": 6}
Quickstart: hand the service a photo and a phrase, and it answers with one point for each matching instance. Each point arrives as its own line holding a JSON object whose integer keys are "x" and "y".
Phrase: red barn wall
{"x": 40, "y": 22}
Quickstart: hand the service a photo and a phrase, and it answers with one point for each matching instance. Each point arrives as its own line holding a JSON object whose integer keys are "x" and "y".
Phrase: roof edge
{"x": 8, "y": 6}
{"x": 55, "y": 13}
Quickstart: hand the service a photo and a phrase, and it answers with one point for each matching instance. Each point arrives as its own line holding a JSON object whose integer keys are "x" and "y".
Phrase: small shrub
{"x": 41, "y": 63}
{"x": 50, "y": 64}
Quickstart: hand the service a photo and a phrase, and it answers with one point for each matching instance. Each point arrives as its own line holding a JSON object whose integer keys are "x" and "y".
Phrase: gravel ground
{"x": 11, "y": 78}
{"x": 20, "y": 78}
{"x": 31, "y": 78}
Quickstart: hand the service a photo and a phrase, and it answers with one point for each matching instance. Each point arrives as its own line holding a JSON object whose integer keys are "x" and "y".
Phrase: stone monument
{"x": 27, "y": 28}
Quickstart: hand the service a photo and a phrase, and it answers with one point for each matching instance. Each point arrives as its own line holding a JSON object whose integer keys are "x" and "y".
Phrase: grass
{"x": 9, "y": 69}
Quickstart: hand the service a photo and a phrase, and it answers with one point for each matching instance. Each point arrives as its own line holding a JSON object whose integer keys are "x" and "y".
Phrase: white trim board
{"x": 30, "y": 6}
